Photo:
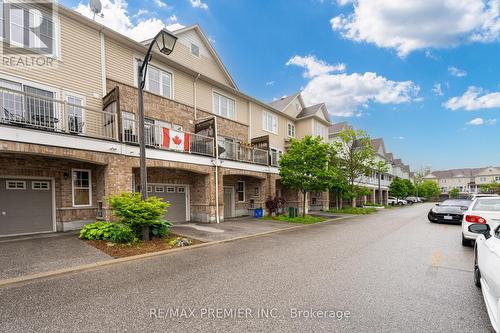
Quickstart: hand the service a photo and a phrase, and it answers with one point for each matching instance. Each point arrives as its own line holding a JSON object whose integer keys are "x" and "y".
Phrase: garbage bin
{"x": 258, "y": 213}
{"x": 292, "y": 212}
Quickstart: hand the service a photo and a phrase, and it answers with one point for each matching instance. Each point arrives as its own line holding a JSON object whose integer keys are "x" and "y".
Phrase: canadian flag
{"x": 175, "y": 140}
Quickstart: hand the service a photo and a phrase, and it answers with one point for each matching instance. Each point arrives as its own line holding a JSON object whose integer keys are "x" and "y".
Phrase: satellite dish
{"x": 95, "y": 7}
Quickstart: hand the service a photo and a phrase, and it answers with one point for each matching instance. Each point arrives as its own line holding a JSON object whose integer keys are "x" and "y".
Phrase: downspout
{"x": 194, "y": 97}
{"x": 216, "y": 172}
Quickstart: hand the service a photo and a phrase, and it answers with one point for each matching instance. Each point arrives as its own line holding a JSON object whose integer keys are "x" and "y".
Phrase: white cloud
{"x": 481, "y": 121}
{"x": 198, "y": 4}
{"x": 399, "y": 138}
{"x": 116, "y": 17}
{"x": 456, "y": 71}
{"x": 436, "y": 89}
{"x": 313, "y": 66}
{"x": 270, "y": 83}
{"x": 474, "y": 99}
{"x": 161, "y": 4}
{"x": 344, "y": 94}
{"x": 412, "y": 25}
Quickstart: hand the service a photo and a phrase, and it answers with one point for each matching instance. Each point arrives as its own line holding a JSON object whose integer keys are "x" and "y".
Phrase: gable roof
{"x": 312, "y": 111}
{"x": 338, "y": 127}
{"x": 282, "y": 103}
{"x": 207, "y": 44}
{"x": 378, "y": 144}
{"x": 467, "y": 172}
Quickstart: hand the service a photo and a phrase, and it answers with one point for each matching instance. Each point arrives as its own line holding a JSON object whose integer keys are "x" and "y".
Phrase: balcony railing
{"x": 40, "y": 112}
{"x": 157, "y": 136}
{"x": 237, "y": 152}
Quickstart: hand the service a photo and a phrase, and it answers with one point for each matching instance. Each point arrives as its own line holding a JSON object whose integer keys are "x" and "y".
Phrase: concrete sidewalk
{"x": 36, "y": 254}
{"x": 229, "y": 229}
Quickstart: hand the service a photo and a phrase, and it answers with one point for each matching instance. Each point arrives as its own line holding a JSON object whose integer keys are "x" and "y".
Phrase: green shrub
{"x": 161, "y": 229}
{"x": 351, "y": 210}
{"x": 131, "y": 210}
{"x": 114, "y": 232}
{"x": 308, "y": 219}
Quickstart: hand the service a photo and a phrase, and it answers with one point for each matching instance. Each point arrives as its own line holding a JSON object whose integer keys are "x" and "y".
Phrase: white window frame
{"x": 266, "y": 115}
{"x": 181, "y": 189}
{"x": 218, "y": 111}
{"x": 242, "y": 191}
{"x": 150, "y": 189}
{"x": 317, "y": 125}
{"x": 191, "y": 49}
{"x": 45, "y": 182}
{"x": 73, "y": 187}
{"x": 159, "y": 189}
{"x": 130, "y": 116}
{"x": 162, "y": 70}
{"x": 291, "y": 126}
{"x": 17, "y": 182}
{"x": 68, "y": 95}
{"x": 170, "y": 189}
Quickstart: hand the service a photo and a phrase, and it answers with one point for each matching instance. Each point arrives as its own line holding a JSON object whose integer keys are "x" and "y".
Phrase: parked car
{"x": 481, "y": 195}
{"x": 412, "y": 200}
{"x": 487, "y": 268}
{"x": 483, "y": 210}
{"x": 394, "y": 201}
{"x": 449, "y": 211}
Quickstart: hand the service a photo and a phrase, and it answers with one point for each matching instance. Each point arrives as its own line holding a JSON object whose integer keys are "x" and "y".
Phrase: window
{"x": 82, "y": 195}
{"x": 15, "y": 185}
{"x": 159, "y": 189}
{"x": 170, "y": 189}
{"x": 181, "y": 190}
{"x": 269, "y": 122}
{"x": 195, "y": 50}
{"x": 240, "y": 191}
{"x": 487, "y": 205}
{"x": 319, "y": 129}
{"x": 150, "y": 188}
{"x": 291, "y": 130}
{"x": 128, "y": 124}
{"x": 497, "y": 178}
{"x": 158, "y": 81}
{"x": 275, "y": 156}
{"x": 42, "y": 186}
{"x": 75, "y": 113}
{"x": 224, "y": 106}
{"x": 40, "y": 110}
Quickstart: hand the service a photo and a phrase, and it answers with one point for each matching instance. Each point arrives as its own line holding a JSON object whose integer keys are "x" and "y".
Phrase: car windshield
{"x": 487, "y": 205}
{"x": 462, "y": 203}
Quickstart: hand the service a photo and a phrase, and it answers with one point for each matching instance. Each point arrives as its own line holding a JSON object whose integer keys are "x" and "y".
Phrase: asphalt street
{"x": 388, "y": 272}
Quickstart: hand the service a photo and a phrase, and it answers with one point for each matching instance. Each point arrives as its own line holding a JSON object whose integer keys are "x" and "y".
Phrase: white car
{"x": 483, "y": 210}
{"x": 481, "y": 195}
{"x": 394, "y": 201}
{"x": 487, "y": 269}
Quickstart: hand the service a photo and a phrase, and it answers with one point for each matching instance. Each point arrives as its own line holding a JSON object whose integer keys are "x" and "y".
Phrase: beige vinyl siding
{"x": 304, "y": 127}
{"x": 204, "y": 97}
{"x": 79, "y": 67}
{"x": 257, "y": 128}
{"x": 204, "y": 64}
{"x": 291, "y": 109}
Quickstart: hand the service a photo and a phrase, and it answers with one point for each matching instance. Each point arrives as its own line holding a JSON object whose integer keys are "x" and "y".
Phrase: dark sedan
{"x": 449, "y": 211}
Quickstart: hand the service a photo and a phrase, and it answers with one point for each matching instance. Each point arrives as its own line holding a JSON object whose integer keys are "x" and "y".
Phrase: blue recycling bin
{"x": 258, "y": 213}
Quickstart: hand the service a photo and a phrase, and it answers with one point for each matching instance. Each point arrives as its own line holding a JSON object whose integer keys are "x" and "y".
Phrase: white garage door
{"x": 177, "y": 196}
{"x": 26, "y": 206}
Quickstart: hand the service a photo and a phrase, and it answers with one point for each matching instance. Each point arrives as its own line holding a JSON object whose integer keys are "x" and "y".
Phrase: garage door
{"x": 25, "y": 206}
{"x": 177, "y": 197}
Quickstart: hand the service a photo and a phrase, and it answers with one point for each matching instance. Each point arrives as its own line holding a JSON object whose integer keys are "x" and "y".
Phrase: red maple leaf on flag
{"x": 177, "y": 140}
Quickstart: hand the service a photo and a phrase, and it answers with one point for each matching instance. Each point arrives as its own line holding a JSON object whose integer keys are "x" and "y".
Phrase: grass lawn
{"x": 308, "y": 219}
{"x": 351, "y": 210}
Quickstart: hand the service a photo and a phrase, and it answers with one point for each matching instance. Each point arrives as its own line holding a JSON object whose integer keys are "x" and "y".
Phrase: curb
{"x": 93, "y": 266}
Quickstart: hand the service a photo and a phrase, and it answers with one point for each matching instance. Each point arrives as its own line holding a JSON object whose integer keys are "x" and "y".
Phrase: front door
{"x": 228, "y": 202}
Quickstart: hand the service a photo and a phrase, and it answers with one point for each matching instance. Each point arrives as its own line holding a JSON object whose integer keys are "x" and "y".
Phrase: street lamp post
{"x": 165, "y": 42}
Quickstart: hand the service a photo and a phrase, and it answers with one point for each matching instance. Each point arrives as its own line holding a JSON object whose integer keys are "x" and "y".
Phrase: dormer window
{"x": 195, "y": 50}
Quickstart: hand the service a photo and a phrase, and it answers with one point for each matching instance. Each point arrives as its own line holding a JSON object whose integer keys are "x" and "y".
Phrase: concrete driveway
{"x": 229, "y": 229}
{"x": 30, "y": 255}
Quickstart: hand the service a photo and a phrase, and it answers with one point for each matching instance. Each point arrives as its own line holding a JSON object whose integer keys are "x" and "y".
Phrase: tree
{"x": 454, "y": 193}
{"x": 398, "y": 188}
{"x": 410, "y": 188}
{"x": 380, "y": 168}
{"x": 429, "y": 189}
{"x": 356, "y": 158}
{"x": 305, "y": 167}
{"x": 493, "y": 187}
{"x": 418, "y": 178}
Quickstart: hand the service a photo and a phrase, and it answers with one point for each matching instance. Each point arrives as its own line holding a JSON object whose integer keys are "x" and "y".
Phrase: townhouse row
{"x": 378, "y": 182}
{"x": 69, "y": 128}
{"x": 467, "y": 181}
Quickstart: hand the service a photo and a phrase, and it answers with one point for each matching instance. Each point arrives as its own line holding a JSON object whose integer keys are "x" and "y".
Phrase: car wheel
{"x": 465, "y": 241}
{"x": 477, "y": 272}
{"x": 400, "y": 203}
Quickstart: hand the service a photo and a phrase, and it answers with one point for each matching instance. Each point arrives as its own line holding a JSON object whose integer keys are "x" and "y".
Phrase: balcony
{"x": 237, "y": 152}
{"x": 35, "y": 111}
{"x": 157, "y": 136}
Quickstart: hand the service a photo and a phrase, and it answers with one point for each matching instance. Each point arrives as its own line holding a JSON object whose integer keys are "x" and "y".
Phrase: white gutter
{"x": 194, "y": 97}
{"x": 216, "y": 163}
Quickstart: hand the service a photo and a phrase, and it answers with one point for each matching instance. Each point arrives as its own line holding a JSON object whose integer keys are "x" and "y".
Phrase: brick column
{"x": 117, "y": 178}
{"x": 212, "y": 191}
{"x": 373, "y": 196}
{"x": 386, "y": 197}
{"x": 325, "y": 198}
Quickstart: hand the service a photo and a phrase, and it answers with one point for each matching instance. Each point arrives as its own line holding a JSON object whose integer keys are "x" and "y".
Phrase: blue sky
{"x": 422, "y": 75}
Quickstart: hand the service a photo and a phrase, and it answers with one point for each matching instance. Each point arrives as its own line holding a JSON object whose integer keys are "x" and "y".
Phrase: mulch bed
{"x": 125, "y": 250}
